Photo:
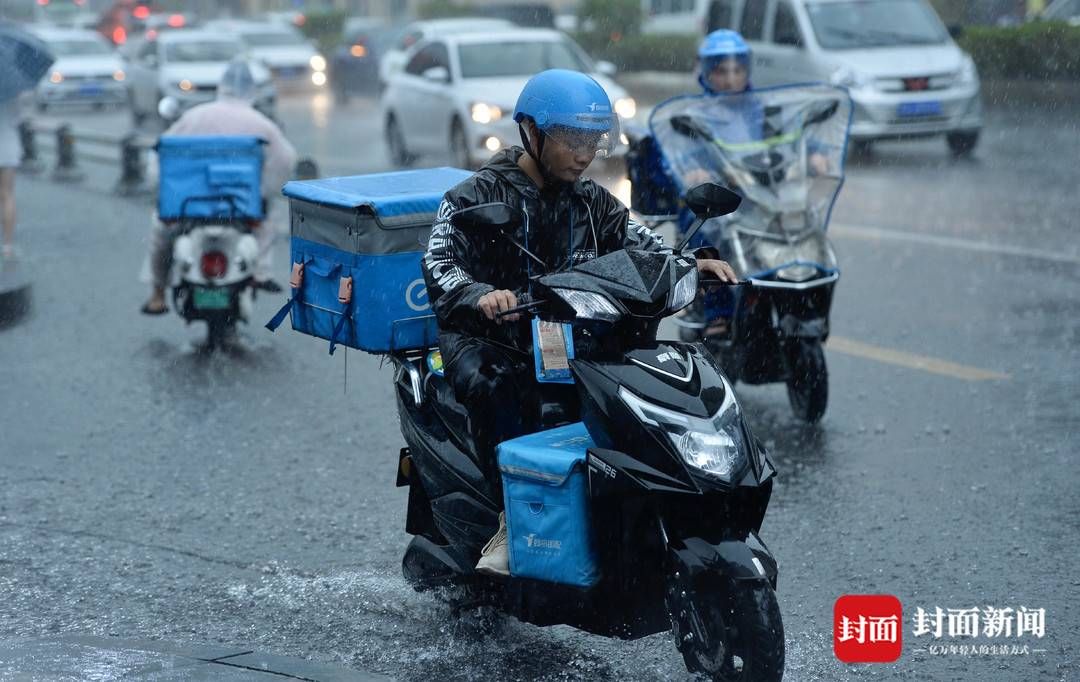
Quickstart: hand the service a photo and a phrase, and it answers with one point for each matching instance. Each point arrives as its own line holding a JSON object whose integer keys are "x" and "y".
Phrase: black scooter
{"x": 677, "y": 484}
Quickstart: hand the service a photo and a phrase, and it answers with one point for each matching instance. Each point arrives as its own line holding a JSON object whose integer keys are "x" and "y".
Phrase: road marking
{"x": 911, "y": 360}
{"x": 877, "y": 233}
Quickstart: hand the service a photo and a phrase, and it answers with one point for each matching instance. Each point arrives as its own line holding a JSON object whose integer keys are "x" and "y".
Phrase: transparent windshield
{"x": 209, "y": 51}
{"x": 492, "y": 60}
{"x": 275, "y": 39}
{"x": 73, "y": 48}
{"x": 781, "y": 148}
{"x": 875, "y": 23}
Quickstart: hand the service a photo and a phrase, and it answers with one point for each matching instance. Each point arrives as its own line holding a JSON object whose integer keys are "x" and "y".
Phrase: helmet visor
{"x": 597, "y": 139}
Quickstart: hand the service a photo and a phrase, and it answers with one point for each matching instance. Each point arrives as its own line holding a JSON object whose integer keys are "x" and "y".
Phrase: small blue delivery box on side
{"x": 547, "y": 506}
{"x": 210, "y": 177}
{"x": 356, "y": 247}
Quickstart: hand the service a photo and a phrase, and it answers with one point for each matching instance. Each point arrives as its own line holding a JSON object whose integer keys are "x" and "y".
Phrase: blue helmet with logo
{"x": 571, "y": 107}
{"x": 720, "y": 46}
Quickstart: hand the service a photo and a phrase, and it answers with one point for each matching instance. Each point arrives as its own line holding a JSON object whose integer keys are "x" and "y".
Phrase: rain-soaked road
{"x": 147, "y": 491}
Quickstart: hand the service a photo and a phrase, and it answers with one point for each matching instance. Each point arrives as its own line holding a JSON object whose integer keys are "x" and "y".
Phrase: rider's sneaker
{"x": 495, "y": 557}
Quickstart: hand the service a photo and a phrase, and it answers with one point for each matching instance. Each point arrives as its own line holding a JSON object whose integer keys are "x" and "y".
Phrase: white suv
{"x": 458, "y": 92}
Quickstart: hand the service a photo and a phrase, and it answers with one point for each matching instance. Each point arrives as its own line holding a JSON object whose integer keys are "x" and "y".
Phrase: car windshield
{"x": 78, "y": 47}
{"x": 207, "y": 51}
{"x": 511, "y": 58}
{"x": 275, "y": 39}
{"x": 875, "y": 23}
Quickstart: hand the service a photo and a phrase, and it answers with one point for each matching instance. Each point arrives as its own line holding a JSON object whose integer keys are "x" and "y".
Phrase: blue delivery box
{"x": 356, "y": 248}
{"x": 545, "y": 489}
{"x": 210, "y": 177}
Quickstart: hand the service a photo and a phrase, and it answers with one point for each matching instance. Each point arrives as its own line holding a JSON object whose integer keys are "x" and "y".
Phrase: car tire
{"x": 395, "y": 144}
{"x": 962, "y": 143}
{"x": 459, "y": 146}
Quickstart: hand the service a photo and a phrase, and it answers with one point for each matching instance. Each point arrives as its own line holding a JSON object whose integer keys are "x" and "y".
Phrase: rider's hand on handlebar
{"x": 717, "y": 268}
{"x": 495, "y": 302}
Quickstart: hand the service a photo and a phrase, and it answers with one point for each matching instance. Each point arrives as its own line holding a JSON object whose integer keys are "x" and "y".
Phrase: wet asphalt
{"x": 151, "y": 492}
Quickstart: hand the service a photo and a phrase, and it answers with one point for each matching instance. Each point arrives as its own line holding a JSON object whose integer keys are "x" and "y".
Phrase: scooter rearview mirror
{"x": 495, "y": 215}
{"x": 684, "y": 125}
{"x": 708, "y": 200}
{"x": 823, "y": 115}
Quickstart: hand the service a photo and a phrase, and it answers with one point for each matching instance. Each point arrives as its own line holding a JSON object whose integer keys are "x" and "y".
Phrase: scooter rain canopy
{"x": 572, "y": 109}
{"x": 775, "y": 146}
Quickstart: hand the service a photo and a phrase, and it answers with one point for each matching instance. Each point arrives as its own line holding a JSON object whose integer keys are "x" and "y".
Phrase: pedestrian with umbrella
{"x": 24, "y": 59}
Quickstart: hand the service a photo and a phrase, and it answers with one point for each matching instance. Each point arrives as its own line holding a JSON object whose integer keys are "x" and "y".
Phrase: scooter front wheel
{"x": 732, "y": 637}
{"x": 808, "y": 379}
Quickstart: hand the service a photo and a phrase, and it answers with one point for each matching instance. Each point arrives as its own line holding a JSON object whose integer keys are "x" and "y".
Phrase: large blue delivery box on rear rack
{"x": 207, "y": 177}
{"x": 356, "y": 248}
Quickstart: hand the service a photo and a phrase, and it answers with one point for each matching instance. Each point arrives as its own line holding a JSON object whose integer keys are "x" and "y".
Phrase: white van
{"x": 906, "y": 75}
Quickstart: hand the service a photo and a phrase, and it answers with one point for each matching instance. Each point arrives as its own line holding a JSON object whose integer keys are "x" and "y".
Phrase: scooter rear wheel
{"x": 808, "y": 379}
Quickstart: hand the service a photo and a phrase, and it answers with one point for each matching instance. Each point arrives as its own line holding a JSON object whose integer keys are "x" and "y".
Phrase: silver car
{"x": 906, "y": 76}
{"x": 187, "y": 66}
{"x": 87, "y": 69}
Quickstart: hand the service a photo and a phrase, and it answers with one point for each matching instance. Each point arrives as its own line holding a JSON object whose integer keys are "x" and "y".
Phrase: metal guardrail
{"x": 129, "y": 152}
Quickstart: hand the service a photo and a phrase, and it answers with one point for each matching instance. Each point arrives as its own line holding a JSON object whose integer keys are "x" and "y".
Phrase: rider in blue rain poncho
{"x": 736, "y": 117}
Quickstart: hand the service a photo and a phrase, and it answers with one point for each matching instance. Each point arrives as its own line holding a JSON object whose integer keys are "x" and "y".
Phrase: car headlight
{"x": 185, "y": 85}
{"x": 119, "y": 75}
{"x": 317, "y": 62}
{"x": 968, "y": 74}
{"x": 850, "y": 78}
{"x": 484, "y": 113}
{"x": 685, "y": 290}
{"x": 715, "y": 446}
{"x": 626, "y": 107}
{"x": 588, "y": 305}
{"x": 56, "y": 77}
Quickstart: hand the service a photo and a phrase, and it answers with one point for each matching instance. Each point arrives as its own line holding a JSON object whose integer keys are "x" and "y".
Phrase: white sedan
{"x": 458, "y": 92}
{"x": 87, "y": 69}
{"x": 187, "y": 66}
{"x": 292, "y": 59}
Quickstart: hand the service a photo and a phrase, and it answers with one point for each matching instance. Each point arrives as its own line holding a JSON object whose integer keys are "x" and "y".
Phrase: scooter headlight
{"x": 714, "y": 446}
{"x": 685, "y": 290}
{"x": 588, "y": 305}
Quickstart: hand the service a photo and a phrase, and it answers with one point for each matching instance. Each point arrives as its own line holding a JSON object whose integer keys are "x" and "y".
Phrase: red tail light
{"x": 213, "y": 264}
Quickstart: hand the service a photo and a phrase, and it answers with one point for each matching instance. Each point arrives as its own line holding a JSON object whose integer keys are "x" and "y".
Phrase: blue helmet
{"x": 717, "y": 47}
{"x": 570, "y": 107}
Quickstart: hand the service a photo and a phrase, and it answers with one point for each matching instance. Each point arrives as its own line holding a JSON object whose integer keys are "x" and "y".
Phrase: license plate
{"x": 916, "y": 109}
{"x": 211, "y": 299}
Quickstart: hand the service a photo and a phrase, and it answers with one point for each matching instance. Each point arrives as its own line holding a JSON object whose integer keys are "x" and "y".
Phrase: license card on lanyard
{"x": 553, "y": 348}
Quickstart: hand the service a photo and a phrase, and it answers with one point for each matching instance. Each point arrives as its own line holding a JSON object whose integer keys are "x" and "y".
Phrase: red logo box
{"x": 868, "y": 628}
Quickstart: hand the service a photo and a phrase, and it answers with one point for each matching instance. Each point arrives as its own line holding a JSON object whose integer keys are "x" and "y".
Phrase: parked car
{"x": 906, "y": 75}
{"x": 87, "y": 69}
{"x": 187, "y": 66}
{"x": 354, "y": 64}
{"x": 1063, "y": 10}
{"x": 292, "y": 59}
{"x": 459, "y": 91}
{"x": 394, "y": 58}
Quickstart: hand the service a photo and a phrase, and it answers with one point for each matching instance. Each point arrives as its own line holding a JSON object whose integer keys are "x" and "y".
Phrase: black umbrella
{"x": 24, "y": 59}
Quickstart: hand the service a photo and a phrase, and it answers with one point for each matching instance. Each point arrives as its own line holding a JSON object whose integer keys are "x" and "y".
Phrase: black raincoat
{"x": 567, "y": 224}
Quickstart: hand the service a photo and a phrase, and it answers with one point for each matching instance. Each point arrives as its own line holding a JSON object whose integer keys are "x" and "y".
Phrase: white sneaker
{"x": 495, "y": 557}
